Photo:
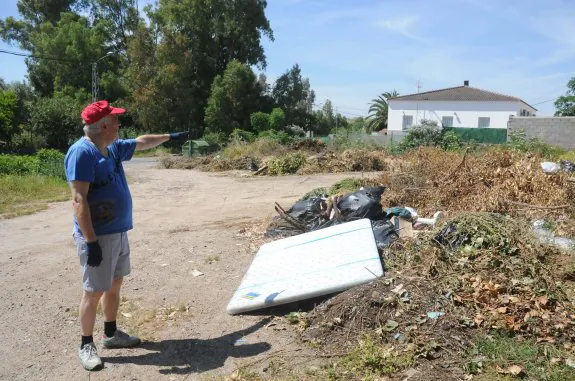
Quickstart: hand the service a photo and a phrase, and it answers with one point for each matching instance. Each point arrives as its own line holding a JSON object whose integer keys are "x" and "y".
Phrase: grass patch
{"x": 27, "y": 194}
{"x": 503, "y": 352}
{"x": 369, "y": 361}
{"x": 569, "y": 155}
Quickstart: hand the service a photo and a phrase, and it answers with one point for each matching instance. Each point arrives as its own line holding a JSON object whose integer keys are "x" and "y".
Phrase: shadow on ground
{"x": 186, "y": 356}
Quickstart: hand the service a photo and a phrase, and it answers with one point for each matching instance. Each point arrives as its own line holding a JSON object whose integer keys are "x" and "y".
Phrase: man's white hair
{"x": 94, "y": 127}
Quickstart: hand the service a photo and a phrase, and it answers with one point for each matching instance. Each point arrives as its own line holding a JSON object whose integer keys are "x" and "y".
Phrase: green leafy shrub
{"x": 518, "y": 141}
{"x": 260, "y": 121}
{"x": 18, "y": 165}
{"x": 450, "y": 141}
{"x": 426, "y": 134}
{"x": 281, "y": 137}
{"x": 51, "y": 163}
{"x": 215, "y": 139}
{"x": 286, "y": 164}
{"x": 259, "y": 148}
{"x": 239, "y": 135}
{"x": 277, "y": 119}
{"x": 47, "y": 162}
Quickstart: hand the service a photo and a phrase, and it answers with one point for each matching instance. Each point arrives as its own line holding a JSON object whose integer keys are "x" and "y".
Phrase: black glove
{"x": 94, "y": 254}
{"x": 179, "y": 135}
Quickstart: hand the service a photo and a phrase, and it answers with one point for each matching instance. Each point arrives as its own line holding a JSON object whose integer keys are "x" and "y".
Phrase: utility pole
{"x": 417, "y": 107}
{"x": 336, "y": 121}
{"x": 95, "y": 77}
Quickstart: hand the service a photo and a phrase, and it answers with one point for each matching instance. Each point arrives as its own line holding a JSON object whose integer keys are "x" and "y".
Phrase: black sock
{"x": 86, "y": 340}
{"x": 109, "y": 328}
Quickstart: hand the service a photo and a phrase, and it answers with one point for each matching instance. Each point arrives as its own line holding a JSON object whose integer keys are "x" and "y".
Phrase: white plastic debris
{"x": 550, "y": 167}
{"x": 430, "y": 221}
{"x": 547, "y": 236}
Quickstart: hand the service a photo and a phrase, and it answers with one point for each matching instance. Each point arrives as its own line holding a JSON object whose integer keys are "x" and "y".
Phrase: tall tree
{"x": 120, "y": 18}
{"x": 197, "y": 40}
{"x": 64, "y": 43}
{"x": 378, "y": 111}
{"x": 8, "y": 103}
{"x": 76, "y": 44}
{"x": 565, "y": 104}
{"x": 327, "y": 109}
{"x": 34, "y": 13}
{"x": 294, "y": 95}
{"x": 233, "y": 99}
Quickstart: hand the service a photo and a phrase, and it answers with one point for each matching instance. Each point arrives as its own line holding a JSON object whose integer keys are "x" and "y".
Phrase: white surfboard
{"x": 309, "y": 265}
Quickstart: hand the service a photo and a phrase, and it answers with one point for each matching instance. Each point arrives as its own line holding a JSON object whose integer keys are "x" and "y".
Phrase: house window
{"x": 447, "y": 121}
{"x": 407, "y": 121}
{"x": 483, "y": 122}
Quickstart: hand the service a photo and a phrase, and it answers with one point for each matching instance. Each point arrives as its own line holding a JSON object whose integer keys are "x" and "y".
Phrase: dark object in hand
{"x": 94, "y": 254}
{"x": 179, "y": 135}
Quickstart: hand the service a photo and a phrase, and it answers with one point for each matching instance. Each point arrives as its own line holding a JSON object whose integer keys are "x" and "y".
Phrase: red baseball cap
{"x": 98, "y": 110}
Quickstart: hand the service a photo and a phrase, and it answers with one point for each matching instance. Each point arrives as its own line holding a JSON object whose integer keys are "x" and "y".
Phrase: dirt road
{"x": 184, "y": 221}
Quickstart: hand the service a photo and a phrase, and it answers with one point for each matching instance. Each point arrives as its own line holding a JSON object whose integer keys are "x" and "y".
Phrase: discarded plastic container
{"x": 547, "y": 236}
{"x": 438, "y": 216}
{"x": 550, "y": 167}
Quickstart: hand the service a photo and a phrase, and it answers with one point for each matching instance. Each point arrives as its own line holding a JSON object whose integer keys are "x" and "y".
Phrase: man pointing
{"x": 102, "y": 216}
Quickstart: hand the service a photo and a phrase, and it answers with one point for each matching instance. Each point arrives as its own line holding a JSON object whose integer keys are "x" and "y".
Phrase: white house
{"x": 461, "y": 106}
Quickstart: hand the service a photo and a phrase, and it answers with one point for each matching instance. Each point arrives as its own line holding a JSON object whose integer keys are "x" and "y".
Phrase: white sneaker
{"x": 120, "y": 340}
{"x": 89, "y": 357}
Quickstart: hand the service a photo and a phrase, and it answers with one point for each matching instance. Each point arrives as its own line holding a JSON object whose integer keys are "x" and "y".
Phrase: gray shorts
{"x": 115, "y": 261}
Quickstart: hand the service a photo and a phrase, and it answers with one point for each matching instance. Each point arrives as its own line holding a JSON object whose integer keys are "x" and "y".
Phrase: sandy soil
{"x": 184, "y": 221}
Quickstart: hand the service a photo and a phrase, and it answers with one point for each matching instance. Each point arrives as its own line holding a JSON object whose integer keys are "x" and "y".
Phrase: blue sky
{"x": 354, "y": 50}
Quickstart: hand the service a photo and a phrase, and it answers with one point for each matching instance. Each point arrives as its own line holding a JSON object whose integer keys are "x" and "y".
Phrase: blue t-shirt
{"x": 108, "y": 197}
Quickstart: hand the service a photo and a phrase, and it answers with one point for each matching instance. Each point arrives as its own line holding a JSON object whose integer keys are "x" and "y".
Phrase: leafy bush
{"x": 450, "y": 141}
{"x": 279, "y": 136}
{"x": 47, "y": 162}
{"x": 215, "y": 139}
{"x": 426, "y": 134}
{"x": 18, "y": 165}
{"x": 51, "y": 163}
{"x": 518, "y": 141}
{"x": 26, "y": 140}
{"x": 259, "y": 148}
{"x": 295, "y": 130}
{"x": 260, "y": 121}
{"x": 285, "y": 164}
{"x": 277, "y": 119}
{"x": 239, "y": 135}
{"x": 344, "y": 142}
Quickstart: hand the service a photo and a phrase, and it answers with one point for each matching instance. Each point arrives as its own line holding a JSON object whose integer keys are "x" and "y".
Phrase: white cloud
{"x": 401, "y": 25}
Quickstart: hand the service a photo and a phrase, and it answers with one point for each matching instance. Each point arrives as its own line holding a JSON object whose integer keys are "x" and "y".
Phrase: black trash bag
{"x": 307, "y": 211}
{"x": 253, "y": 166}
{"x": 449, "y": 237}
{"x": 567, "y": 166}
{"x": 384, "y": 233}
{"x": 365, "y": 203}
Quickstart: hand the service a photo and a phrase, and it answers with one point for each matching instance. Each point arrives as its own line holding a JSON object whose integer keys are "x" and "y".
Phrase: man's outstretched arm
{"x": 144, "y": 142}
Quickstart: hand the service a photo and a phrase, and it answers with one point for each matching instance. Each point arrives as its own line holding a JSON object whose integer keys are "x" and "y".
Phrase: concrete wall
{"x": 380, "y": 140}
{"x": 464, "y": 113}
{"x": 559, "y": 131}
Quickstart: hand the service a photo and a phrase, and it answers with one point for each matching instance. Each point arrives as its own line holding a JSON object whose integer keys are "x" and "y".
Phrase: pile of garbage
{"x": 320, "y": 211}
{"x": 477, "y": 272}
{"x": 499, "y": 181}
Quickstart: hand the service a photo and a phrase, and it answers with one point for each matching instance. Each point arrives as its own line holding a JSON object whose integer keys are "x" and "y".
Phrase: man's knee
{"x": 116, "y": 285}
{"x": 92, "y": 296}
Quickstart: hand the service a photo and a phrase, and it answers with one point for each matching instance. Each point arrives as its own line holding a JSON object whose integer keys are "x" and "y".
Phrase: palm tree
{"x": 377, "y": 118}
